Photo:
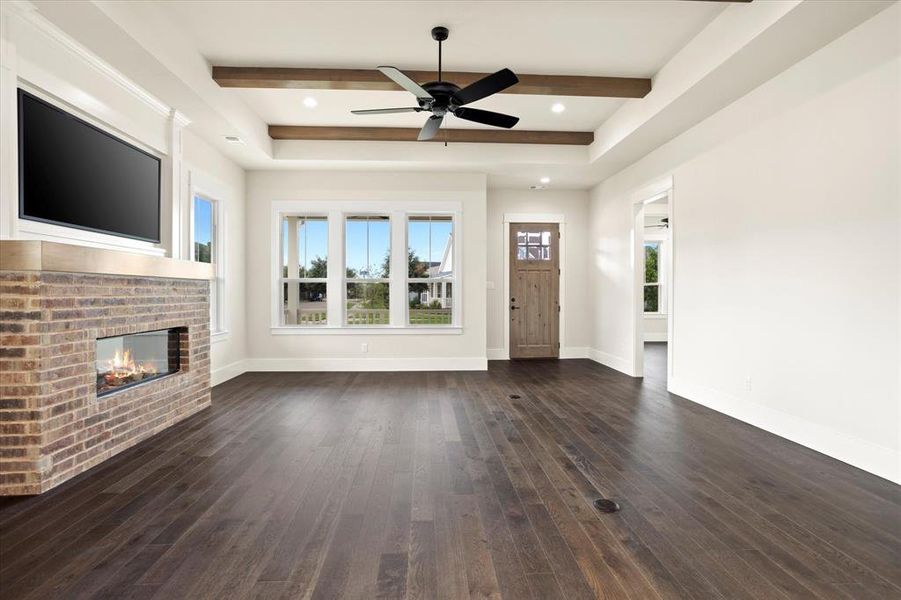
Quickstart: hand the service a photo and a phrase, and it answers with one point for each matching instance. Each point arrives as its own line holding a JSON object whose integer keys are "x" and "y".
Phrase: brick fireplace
{"x": 64, "y": 406}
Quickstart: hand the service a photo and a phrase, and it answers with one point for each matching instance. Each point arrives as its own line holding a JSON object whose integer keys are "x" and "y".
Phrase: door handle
{"x": 514, "y": 308}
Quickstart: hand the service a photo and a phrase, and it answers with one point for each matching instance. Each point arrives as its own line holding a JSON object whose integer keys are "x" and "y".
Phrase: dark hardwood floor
{"x": 456, "y": 485}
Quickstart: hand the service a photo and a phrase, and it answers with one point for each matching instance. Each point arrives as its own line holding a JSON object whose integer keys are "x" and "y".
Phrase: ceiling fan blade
{"x": 401, "y": 79}
{"x": 430, "y": 129}
{"x": 386, "y": 111}
{"x": 486, "y": 86}
{"x": 486, "y": 117}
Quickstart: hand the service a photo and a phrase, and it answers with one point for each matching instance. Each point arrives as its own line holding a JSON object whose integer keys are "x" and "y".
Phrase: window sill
{"x": 218, "y": 336}
{"x": 656, "y": 315}
{"x": 362, "y": 330}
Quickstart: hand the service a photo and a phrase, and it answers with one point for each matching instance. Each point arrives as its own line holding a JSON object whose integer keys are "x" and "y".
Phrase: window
{"x": 206, "y": 247}
{"x": 304, "y": 270}
{"x": 652, "y": 298}
{"x": 367, "y": 271}
{"x": 430, "y": 270}
{"x": 203, "y": 230}
{"x": 387, "y": 267}
{"x": 533, "y": 245}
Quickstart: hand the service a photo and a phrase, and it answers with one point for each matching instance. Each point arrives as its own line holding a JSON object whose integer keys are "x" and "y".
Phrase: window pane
{"x": 203, "y": 230}
{"x": 368, "y": 247}
{"x": 305, "y": 247}
{"x": 368, "y": 304}
{"x": 533, "y": 252}
{"x": 430, "y": 244}
{"x": 312, "y": 247}
{"x": 651, "y": 299}
{"x": 431, "y": 303}
{"x": 651, "y": 254}
{"x": 304, "y": 303}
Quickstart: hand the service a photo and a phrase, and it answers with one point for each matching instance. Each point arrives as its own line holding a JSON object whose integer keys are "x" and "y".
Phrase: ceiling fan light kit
{"x": 443, "y": 97}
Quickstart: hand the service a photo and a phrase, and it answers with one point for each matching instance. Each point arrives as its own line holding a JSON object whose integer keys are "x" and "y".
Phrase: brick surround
{"x": 52, "y": 425}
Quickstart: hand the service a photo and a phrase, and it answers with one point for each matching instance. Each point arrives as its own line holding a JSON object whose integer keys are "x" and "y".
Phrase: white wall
{"x": 786, "y": 249}
{"x": 340, "y": 350}
{"x": 205, "y": 170}
{"x": 576, "y": 303}
{"x": 44, "y": 60}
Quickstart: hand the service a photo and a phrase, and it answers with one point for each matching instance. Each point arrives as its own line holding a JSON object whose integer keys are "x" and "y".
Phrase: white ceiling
{"x": 286, "y": 107}
{"x": 614, "y": 38}
{"x": 575, "y": 38}
{"x": 701, "y": 55}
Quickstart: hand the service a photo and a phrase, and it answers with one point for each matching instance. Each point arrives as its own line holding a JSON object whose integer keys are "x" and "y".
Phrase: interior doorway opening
{"x": 653, "y": 290}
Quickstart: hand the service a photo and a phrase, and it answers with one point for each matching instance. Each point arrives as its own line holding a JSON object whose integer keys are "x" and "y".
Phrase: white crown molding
{"x": 179, "y": 119}
{"x": 29, "y": 13}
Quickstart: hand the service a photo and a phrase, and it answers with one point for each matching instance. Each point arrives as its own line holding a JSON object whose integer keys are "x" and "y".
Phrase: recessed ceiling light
{"x": 545, "y": 180}
{"x": 310, "y": 102}
{"x": 558, "y": 108}
{"x": 233, "y": 139}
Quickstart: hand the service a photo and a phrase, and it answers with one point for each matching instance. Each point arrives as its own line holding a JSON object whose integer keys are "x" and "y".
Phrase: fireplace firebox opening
{"x": 124, "y": 361}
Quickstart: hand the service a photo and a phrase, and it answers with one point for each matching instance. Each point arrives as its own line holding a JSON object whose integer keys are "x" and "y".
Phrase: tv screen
{"x": 72, "y": 173}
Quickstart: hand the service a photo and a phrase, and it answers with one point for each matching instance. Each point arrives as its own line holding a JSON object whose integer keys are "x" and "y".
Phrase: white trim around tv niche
{"x": 158, "y": 124}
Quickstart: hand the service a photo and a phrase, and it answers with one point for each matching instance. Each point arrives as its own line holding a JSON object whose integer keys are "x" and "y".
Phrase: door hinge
{"x": 558, "y": 308}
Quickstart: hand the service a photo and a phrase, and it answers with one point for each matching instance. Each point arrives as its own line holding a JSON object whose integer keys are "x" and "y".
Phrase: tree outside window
{"x": 651, "y": 277}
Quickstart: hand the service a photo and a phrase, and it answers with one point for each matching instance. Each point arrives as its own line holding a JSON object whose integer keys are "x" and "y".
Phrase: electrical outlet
{"x": 364, "y": 347}
{"x": 748, "y": 383}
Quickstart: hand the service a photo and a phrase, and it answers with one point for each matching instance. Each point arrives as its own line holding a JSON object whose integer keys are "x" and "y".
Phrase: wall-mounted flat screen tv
{"x": 74, "y": 174}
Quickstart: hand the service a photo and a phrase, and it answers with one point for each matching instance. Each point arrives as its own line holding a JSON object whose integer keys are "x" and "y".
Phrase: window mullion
{"x": 398, "y": 275}
{"x": 336, "y": 290}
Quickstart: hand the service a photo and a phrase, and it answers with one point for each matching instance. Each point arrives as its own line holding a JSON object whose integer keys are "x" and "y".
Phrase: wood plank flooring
{"x": 458, "y": 485}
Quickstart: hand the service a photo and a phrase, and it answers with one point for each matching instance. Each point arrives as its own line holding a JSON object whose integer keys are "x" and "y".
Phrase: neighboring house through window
{"x": 430, "y": 276}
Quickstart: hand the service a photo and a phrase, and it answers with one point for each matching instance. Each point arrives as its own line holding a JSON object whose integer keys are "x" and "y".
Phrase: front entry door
{"x": 534, "y": 290}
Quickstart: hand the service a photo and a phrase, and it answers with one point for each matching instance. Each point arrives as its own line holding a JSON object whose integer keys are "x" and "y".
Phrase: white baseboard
{"x": 875, "y": 459}
{"x": 574, "y": 352}
{"x": 570, "y": 352}
{"x": 230, "y": 371}
{"x": 655, "y": 337}
{"x": 479, "y": 363}
{"x": 608, "y": 360}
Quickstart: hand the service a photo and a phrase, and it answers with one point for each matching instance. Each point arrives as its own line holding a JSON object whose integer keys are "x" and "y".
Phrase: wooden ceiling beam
{"x": 408, "y": 134}
{"x": 371, "y": 79}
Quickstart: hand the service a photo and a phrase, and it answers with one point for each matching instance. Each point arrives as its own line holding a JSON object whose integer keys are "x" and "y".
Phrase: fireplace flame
{"x": 123, "y": 366}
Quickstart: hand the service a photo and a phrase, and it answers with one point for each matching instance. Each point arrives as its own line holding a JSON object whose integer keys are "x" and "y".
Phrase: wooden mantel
{"x": 35, "y": 255}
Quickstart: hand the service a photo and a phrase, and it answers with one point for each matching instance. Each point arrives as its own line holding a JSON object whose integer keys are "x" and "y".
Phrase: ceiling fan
{"x": 442, "y": 97}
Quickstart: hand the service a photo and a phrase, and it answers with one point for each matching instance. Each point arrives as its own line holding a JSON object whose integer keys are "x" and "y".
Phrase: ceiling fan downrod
{"x": 439, "y": 34}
